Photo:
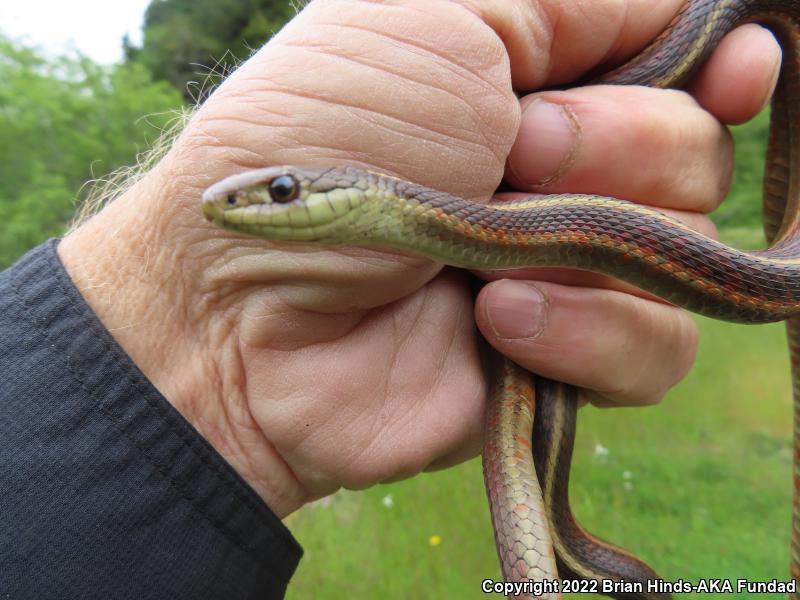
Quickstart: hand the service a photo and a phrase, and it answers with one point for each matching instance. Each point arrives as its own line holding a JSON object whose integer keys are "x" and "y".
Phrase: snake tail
{"x": 527, "y": 486}
{"x": 575, "y": 548}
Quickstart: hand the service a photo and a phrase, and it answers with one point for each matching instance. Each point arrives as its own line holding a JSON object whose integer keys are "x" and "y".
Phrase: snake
{"x": 530, "y": 420}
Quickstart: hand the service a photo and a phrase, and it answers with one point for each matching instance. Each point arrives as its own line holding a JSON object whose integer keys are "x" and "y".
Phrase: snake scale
{"x": 530, "y": 423}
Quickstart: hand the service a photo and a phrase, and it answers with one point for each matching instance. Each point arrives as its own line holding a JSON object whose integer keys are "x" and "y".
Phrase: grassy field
{"x": 699, "y": 486}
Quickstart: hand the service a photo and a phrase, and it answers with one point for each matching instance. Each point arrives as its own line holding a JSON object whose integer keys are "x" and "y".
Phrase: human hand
{"x": 310, "y": 368}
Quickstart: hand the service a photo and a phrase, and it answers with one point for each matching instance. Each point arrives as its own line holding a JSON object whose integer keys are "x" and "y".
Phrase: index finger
{"x": 552, "y": 42}
{"x": 739, "y": 77}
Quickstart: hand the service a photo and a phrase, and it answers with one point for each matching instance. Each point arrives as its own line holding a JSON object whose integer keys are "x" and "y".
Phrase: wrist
{"x": 121, "y": 260}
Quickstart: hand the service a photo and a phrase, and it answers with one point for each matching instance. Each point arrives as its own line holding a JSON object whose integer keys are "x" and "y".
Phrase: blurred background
{"x": 700, "y": 486}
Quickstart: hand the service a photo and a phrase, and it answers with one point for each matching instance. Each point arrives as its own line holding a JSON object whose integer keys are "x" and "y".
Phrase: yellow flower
{"x": 434, "y": 541}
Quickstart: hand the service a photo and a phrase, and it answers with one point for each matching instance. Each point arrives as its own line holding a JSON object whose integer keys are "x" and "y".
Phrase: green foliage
{"x": 742, "y": 208}
{"x": 63, "y": 122}
{"x": 185, "y": 39}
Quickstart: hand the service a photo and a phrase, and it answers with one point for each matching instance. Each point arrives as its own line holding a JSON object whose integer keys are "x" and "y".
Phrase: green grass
{"x": 707, "y": 493}
{"x": 742, "y": 207}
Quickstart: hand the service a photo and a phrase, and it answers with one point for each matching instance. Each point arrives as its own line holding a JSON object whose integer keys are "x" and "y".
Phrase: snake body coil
{"x": 343, "y": 205}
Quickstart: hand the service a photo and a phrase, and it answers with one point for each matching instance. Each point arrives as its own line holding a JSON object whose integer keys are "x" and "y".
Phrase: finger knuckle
{"x": 657, "y": 350}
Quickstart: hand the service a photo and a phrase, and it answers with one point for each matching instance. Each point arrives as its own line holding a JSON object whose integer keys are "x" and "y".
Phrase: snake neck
{"x": 624, "y": 240}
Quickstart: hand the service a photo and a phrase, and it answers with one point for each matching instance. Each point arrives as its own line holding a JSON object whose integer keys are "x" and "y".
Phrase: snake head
{"x": 285, "y": 203}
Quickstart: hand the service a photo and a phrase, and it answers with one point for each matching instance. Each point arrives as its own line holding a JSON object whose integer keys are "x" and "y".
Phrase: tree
{"x": 186, "y": 40}
{"x": 63, "y": 122}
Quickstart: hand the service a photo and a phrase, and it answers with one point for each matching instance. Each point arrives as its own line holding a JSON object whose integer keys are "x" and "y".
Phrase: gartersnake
{"x": 344, "y": 205}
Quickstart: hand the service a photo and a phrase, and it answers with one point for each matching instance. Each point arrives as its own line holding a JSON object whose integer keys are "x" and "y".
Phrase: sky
{"x": 95, "y": 27}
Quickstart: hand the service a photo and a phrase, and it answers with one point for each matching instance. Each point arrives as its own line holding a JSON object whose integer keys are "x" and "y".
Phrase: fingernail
{"x": 518, "y": 310}
{"x": 547, "y": 143}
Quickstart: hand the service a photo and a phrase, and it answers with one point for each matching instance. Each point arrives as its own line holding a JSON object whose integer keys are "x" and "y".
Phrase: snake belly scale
{"x": 527, "y": 473}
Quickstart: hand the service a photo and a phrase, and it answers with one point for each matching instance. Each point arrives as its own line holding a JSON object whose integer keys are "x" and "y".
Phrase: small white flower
{"x": 388, "y": 501}
{"x": 627, "y": 485}
{"x": 627, "y": 475}
{"x": 600, "y": 451}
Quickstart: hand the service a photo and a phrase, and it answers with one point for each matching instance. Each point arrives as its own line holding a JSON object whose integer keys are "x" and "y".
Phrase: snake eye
{"x": 231, "y": 199}
{"x": 283, "y": 189}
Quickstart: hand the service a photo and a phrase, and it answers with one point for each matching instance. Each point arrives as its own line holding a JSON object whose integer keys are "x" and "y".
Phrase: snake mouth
{"x": 212, "y": 212}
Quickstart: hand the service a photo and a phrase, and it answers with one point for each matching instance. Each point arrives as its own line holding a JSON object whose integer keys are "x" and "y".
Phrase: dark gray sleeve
{"x": 106, "y": 491}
